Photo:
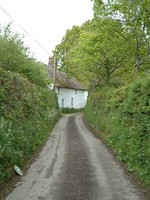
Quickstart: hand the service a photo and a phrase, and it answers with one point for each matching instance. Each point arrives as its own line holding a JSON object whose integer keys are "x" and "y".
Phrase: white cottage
{"x": 71, "y": 94}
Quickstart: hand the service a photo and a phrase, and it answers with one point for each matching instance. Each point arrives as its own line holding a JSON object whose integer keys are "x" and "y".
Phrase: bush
{"x": 71, "y": 110}
{"x": 28, "y": 110}
{"x": 123, "y": 119}
{"x": 15, "y": 57}
{"x": 27, "y": 114}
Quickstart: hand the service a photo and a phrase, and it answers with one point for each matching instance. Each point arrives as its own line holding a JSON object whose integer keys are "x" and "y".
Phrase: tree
{"x": 108, "y": 51}
{"x": 134, "y": 15}
{"x": 68, "y": 42}
{"x": 98, "y": 54}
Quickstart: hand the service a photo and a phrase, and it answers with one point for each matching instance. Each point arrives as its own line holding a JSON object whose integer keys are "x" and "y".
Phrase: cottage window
{"x": 72, "y": 101}
{"x": 76, "y": 91}
{"x": 62, "y": 103}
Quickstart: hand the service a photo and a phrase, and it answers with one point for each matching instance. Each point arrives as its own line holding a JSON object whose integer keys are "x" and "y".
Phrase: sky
{"x": 46, "y": 21}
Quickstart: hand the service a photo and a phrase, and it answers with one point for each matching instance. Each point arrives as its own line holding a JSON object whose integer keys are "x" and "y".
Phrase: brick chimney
{"x": 50, "y": 63}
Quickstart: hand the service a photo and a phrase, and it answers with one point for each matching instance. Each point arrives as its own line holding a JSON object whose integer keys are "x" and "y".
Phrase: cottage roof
{"x": 62, "y": 80}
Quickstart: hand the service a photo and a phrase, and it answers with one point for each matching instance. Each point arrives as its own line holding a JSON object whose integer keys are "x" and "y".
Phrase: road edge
{"x": 8, "y": 186}
{"x": 133, "y": 178}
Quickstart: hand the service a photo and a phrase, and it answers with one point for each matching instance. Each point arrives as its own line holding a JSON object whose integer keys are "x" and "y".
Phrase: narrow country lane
{"x": 74, "y": 165}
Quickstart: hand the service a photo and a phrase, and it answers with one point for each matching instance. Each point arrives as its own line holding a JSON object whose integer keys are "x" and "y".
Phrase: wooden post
{"x": 54, "y": 75}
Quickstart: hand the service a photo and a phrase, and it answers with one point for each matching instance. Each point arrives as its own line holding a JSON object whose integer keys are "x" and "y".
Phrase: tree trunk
{"x": 136, "y": 69}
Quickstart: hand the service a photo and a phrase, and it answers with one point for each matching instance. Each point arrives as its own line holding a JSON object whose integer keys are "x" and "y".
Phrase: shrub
{"x": 15, "y": 57}
{"x": 71, "y": 110}
{"x": 28, "y": 110}
{"x": 123, "y": 119}
{"x": 27, "y": 114}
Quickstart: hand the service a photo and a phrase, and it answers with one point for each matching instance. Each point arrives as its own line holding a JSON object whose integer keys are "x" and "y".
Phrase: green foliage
{"x": 28, "y": 110}
{"x": 67, "y": 54}
{"x": 27, "y": 114}
{"x": 71, "y": 110}
{"x": 15, "y": 57}
{"x": 134, "y": 17}
{"x": 122, "y": 116}
{"x": 97, "y": 52}
{"x": 111, "y": 48}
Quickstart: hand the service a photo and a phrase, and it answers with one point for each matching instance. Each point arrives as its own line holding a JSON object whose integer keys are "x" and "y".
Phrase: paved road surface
{"x": 74, "y": 165}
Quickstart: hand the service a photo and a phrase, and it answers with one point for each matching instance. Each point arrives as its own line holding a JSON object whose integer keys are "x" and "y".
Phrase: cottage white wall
{"x": 79, "y": 98}
{"x": 85, "y": 95}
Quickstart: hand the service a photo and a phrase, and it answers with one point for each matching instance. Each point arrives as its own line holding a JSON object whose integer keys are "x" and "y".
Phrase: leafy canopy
{"x": 114, "y": 47}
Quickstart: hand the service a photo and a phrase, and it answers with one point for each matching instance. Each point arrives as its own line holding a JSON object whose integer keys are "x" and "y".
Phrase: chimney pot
{"x": 50, "y": 61}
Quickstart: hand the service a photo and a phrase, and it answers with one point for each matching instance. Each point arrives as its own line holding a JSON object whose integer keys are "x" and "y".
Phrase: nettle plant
{"x": 6, "y": 148}
{"x": 6, "y": 135}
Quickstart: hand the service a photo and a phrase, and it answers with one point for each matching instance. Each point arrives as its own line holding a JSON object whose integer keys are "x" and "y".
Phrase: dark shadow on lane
{"x": 78, "y": 181}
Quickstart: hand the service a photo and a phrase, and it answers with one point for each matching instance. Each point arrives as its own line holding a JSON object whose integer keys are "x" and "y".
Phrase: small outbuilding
{"x": 71, "y": 94}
